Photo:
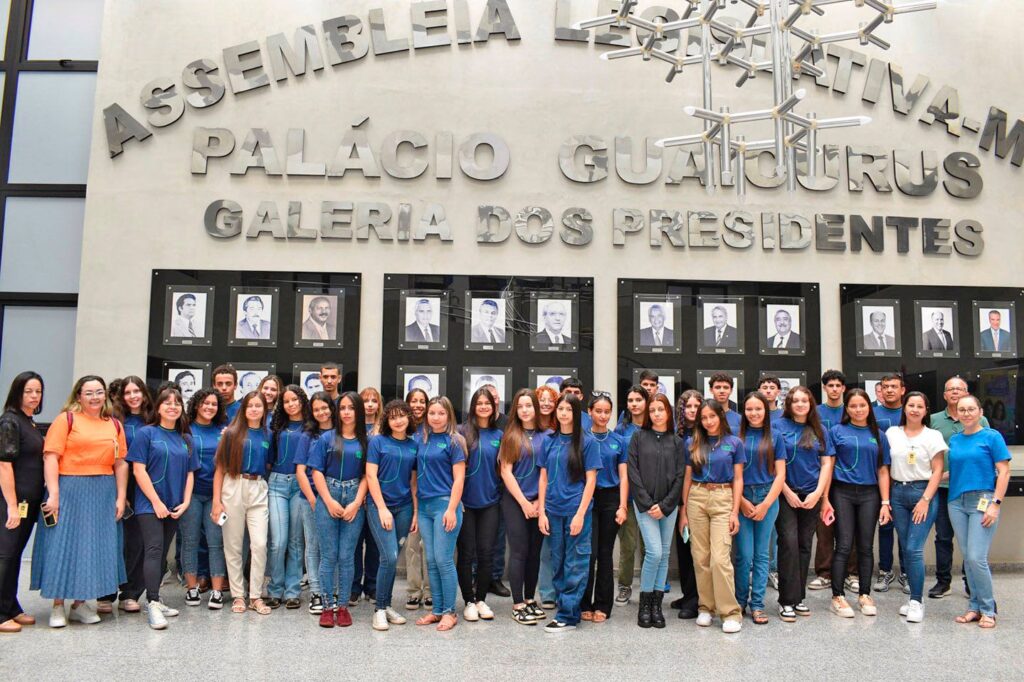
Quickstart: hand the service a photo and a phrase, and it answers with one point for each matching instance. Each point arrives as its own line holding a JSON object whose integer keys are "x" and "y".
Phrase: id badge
{"x": 23, "y": 510}
{"x": 982, "y": 504}
{"x": 912, "y": 457}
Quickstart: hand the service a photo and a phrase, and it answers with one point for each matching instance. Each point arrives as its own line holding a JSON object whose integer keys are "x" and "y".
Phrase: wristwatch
{"x": 996, "y": 501}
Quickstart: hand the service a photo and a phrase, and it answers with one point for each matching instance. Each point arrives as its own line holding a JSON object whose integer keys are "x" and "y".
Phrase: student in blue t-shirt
{"x": 889, "y": 413}
{"x": 163, "y": 462}
{"x": 324, "y": 411}
{"x": 830, "y": 413}
{"x": 860, "y": 496}
{"x": 338, "y": 462}
{"x": 979, "y": 474}
{"x": 206, "y": 421}
{"x": 417, "y": 577}
{"x": 225, "y": 380}
{"x": 390, "y": 463}
{"x": 481, "y": 499}
{"x": 574, "y": 387}
{"x": 289, "y": 423}
{"x": 764, "y": 474}
{"x": 629, "y": 533}
{"x": 721, "y": 385}
{"x": 770, "y": 387}
{"x": 712, "y": 490}
{"x": 440, "y": 478}
{"x": 568, "y": 461}
{"x": 240, "y": 493}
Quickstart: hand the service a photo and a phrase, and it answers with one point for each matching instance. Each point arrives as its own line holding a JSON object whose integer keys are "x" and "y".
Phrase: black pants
{"x": 157, "y": 536}
{"x": 12, "y": 544}
{"x": 600, "y": 592}
{"x": 687, "y": 575}
{"x": 857, "y": 508}
{"x": 796, "y": 529}
{"x": 133, "y": 551}
{"x": 476, "y": 546}
{"x": 524, "y": 541}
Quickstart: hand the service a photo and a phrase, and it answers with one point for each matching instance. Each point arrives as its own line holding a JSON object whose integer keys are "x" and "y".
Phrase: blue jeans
{"x": 886, "y": 540}
{"x": 753, "y": 543}
{"x": 657, "y": 534}
{"x": 389, "y": 542}
{"x": 285, "y": 501}
{"x": 312, "y": 546}
{"x": 773, "y": 551}
{"x": 196, "y": 522}
{"x": 570, "y": 564}
{"x": 975, "y": 541}
{"x": 912, "y": 535}
{"x": 365, "y": 563}
{"x": 439, "y": 546}
{"x": 337, "y": 542}
{"x": 545, "y": 579}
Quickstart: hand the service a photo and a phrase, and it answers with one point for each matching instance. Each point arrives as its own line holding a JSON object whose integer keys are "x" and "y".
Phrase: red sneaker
{"x": 327, "y": 618}
{"x": 343, "y": 617}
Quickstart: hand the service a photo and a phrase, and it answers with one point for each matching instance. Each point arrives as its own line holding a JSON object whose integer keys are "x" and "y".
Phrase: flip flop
{"x": 428, "y": 619}
{"x": 448, "y": 621}
{"x": 969, "y": 617}
{"x": 987, "y": 622}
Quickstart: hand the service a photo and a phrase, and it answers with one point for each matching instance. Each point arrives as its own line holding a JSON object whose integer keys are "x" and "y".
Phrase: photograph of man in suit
{"x": 993, "y": 338}
{"x": 657, "y": 334}
{"x": 784, "y": 336}
{"x": 422, "y": 382}
{"x": 487, "y": 329}
{"x": 312, "y": 384}
{"x": 877, "y": 339}
{"x": 720, "y": 335}
{"x": 421, "y": 330}
{"x": 553, "y": 316}
{"x": 252, "y": 326}
{"x": 185, "y": 324}
{"x": 937, "y": 338}
{"x": 316, "y": 326}
{"x": 187, "y": 384}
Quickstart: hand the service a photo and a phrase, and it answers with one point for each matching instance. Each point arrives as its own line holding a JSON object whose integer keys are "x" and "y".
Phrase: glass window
{"x": 43, "y": 340}
{"x": 52, "y": 128}
{"x": 66, "y": 29}
{"x": 42, "y": 247}
{"x": 5, "y": 12}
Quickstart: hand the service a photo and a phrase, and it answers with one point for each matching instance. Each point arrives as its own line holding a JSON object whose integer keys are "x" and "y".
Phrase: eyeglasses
{"x": 600, "y": 394}
{"x": 93, "y": 394}
{"x": 968, "y": 410}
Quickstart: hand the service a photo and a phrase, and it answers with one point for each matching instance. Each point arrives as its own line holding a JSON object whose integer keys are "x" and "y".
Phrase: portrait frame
{"x": 738, "y": 383}
{"x": 863, "y": 309}
{"x": 472, "y": 321}
{"x": 867, "y": 381}
{"x": 260, "y": 369}
{"x": 784, "y": 376}
{"x": 926, "y": 342}
{"x": 304, "y": 297}
{"x": 409, "y": 335}
{"x": 540, "y": 376}
{"x": 204, "y": 301}
{"x": 301, "y": 372}
{"x": 239, "y": 297}
{"x": 1008, "y": 311}
{"x": 672, "y": 307}
{"x": 539, "y": 302}
{"x": 767, "y": 309}
{"x": 172, "y": 368}
{"x": 471, "y": 380}
{"x": 437, "y": 374}
{"x": 675, "y": 376}
{"x": 733, "y": 305}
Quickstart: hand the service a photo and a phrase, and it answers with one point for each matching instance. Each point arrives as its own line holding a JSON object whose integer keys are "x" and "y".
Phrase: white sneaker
{"x": 58, "y": 618}
{"x": 164, "y": 609}
{"x": 915, "y": 612}
{"x": 904, "y": 609}
{"x": 867, "y": 605}
{"x": 820, "y": 583}
{"x": 731, "y": 626}
{"x": 470, "y": 613}
{"x": 394, "y": 617}
{"x": 484, "y": 610}
{"x": 704, "y": 619}
{"x": 157, "y": 621}
{"x": 84, "y": 613}
{"x": 841, "y": 607}
{"x": 380, "y": 620}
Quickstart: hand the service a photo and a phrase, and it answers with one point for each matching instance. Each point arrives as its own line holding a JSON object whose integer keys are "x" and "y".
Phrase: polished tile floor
{"x": 289, "y": 644}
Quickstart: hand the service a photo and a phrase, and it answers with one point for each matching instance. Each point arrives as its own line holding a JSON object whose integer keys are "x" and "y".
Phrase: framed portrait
{"x": 307, "y": 376}
{"x": 720, "y": 325}
{"x": 474, "y": 378}
{"x": 250, "y": 375}
{"x": 937, "y": 329}
{"x": 871, "y": 381}
{"x": 190, "y": 376}
{"x": 423, "y": 320}
{"x": 995, "y": 329}
{"x": 787, "y": 380}
{"x": 656, "y": 324}
{"x": 487, "y": 320}
{"x": 878, "y": 327}
{"x": 781, "y": 326}
{"x": 319, "y": 314}
{"x": 704, "y": 381}
{"x": 551, "y": 376}
{"x": 253, "y": 318}
{"x": 668, "y": 380}
{"x": 554, "y": 320}
{"x": 188, "y": 315}
{"x": 432, "y": 379}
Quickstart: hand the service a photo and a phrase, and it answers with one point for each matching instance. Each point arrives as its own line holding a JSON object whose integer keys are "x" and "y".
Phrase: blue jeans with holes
{"x": 284, "y": 552}
{"x": 912, "y": 536}
{"x": 753, "y": 544}
{"x": 975, "y": 541}
{"x": 439, "y": 547}
{"x": 657, "y": 534}
{"x": 570, "y": 565}
{"x": 389, "y": 543}
{"x": 196, "y": 523}
{"x": 337, "y": 542}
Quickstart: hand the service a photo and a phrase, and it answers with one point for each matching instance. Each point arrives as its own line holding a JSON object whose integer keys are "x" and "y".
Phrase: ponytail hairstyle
{"x": 229, "y": 450}
{"x": 812, "y": 434}
{"x": 360, "y": 426}
{"x": 576, "y": 470}
{"x": 515, "y": 440}
{"x": 872, "y": 422}
{"x": 927, "y": 419}
{"x": 700, "y": 445}
{"x": 765, "y": 449}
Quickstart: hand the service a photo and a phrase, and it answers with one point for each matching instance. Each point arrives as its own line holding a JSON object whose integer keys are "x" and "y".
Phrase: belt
{"x": 713, "y": 486}
{"x": 251, "y": 477}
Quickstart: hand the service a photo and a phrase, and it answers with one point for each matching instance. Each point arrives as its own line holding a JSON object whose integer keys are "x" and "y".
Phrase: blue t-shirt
{"x": 887, "y": 416}
{"x": 585, "y": 420}
{"x": 395, "y": 460}
{"x": 482, "y": 488}
{"x": 204, "y": 445}
{"x": 434, "y": 461}
{"x": 972, "y": 461}
{"x": 725, "y": 452}
{"x": 732, "y": 418}
{"x": 626, "y": 430}
{"x": 563, "y": 495}
{"x": 527, "y": 470}
{"x": 256, "y": 452}
{"x": 614, "y": 450}
{"x": 168, "y": 460}
{"x": 290, "y": 441}
{"x": 803, "y": 464}
{"x": 857, "y": 454}
{"x": 231, "y": 409}
{"x": 324, "y": 457}
{"x": 773, "y": 416}
{"x": 302, "y": 455}
{"x": 132, "y": 424}
{"x": 755, "y": 471}
{"x": 831, "y": 416}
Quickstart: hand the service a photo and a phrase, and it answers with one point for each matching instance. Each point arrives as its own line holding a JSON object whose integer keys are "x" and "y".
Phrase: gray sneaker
{"x": 773, "y": 580}
{"x": 157, "y": 620}
{"x": 904, "y": 583}
{"x": 625, "y": 592}
{"x": 852, "y": 584}
{"x": 882, "y": 582}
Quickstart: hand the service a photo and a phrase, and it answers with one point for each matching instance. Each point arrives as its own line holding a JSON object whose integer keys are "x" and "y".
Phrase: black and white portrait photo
{"x": 429, "y": 379}
{"x": 499, "y": 379}
{"x": 189, "y": 380}
{"x": 937, "y": 329}
{"x": 306, "y": 375}
{"x": 878, "y": 332}
{"x": 188, "y": 315}
{"x": 253, "y": 317}
{"x": 995, "y": 333}
{"x": 668, "y": 381}
{"x": 781, "y": 328}
{"x": 422, "y": 320}
{"x": 486, "y": 318}
{"x": 248, "y": 381}
{"x": 550, "y": 376}
{"x": 720, "y": 325}
{"x": 656, "y": 324}
{"x": 555, "y": 322}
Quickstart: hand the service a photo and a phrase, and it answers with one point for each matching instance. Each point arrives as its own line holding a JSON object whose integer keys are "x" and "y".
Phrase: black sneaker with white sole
{"x": 523, "y": 617}
{"x": 192, "y": 597}
{"x": 316, "y": 605}
{"x": 216, "y": 600}
{"x": 535, "y": 611}
{"x": 558, "y": 626}
{"x": 940, "y": 590}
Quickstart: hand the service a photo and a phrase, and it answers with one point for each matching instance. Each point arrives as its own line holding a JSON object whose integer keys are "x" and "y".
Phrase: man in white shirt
{"x": 784, "y": 336}
{"x": 553, "y": 318}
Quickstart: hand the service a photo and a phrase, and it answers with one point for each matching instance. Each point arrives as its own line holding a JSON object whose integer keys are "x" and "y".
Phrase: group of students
{"x": 277, "y": 483}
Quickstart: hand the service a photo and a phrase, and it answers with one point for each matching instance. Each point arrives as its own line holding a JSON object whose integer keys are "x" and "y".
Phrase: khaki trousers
{"x": 245, "y": 503}
{"x": 629, "y": 537}
{"x": 416, "y": 575}
{"x": 707, "y": 513}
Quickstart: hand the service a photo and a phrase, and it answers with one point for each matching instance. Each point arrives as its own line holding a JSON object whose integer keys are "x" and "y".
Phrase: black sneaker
{"x": 787, "y": 613}
{"x": 272, "y": 602}
{"x": 353, "y": 601}
{"x": 523, "y": 616}
{"x": 316, "y": 605}
{"x": 558, "y": 626}
{"x": 939, "y": 590}
{"x": 192, "y": 597}
{"x": 497, "y": 588}
{"x": 216, "y": 600}
{"x": 535, "y": 611}
{"x": 428, "y": 603}
{"x": 802, "y": 609}
{"x": 412, "y": 603}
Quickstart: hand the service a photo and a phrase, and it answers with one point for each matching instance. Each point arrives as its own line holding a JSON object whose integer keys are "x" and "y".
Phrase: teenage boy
{"x": 770, "y": 387}
{"x": 330, "y": 377}
{"x": 721, "y": 390}
{"x": 889, "y": 413}
{"x": 225, "y": 381}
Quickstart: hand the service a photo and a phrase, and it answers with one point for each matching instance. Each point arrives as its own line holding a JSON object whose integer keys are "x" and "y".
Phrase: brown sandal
{"x": 259, "y": 607}
{"x": 587, "y": 615}
{"x": 969, "y": 617}
{"x": 238, "y": 605}
{"x": 600, "y": 616}
{"x": 428, "y": 619}
{"x": 759, "y": 617}
{"x": 987, "y": 622}
{"x": 448, "y": 621}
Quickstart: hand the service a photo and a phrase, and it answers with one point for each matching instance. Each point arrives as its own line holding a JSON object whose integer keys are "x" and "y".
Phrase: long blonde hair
{"x": 73, "y": 405}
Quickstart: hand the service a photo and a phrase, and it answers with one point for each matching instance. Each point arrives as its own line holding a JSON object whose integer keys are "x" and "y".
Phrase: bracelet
{"x": 885, "y": 503}
{"x": 926, "y": 499}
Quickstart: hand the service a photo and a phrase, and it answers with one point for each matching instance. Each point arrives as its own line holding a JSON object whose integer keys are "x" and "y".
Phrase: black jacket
{"x": 656, "y": 466}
